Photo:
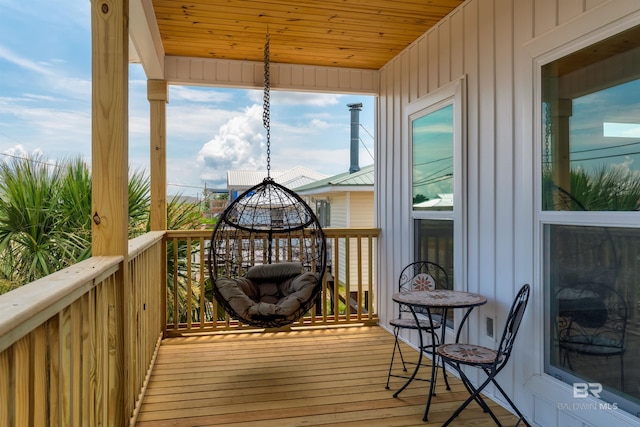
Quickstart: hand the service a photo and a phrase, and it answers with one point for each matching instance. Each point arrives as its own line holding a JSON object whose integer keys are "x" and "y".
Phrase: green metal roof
{"x": 362, "y": 178}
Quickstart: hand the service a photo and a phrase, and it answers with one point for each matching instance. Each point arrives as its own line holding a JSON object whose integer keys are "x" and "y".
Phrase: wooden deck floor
{"x": 324, "y": 377}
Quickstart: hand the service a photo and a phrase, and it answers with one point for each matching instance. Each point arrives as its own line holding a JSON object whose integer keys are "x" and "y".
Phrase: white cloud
{"x": 22, "y": 62}
{"x": 36, "y": 97}
{"x": 73, "y": 88}
{"x": 183, "y": 93}
{"x": 57, "y": 123}
{"x": 621, "y": 130}
{"x": 195, "y": 121}
{"x": 19, "y": 151}
{"x": 138, "y": 123}
{"x": 239, "y": 144}
{"x": 319, "y": 124}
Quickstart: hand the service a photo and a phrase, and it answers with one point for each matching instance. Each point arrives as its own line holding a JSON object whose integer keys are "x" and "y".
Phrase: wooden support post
{"x": 109, "y": 164}
{"x": 110, "y": 145}
{"x": 157, "y": 94}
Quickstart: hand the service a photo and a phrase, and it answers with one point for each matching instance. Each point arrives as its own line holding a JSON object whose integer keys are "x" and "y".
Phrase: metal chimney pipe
{"x": 355, "y": 136}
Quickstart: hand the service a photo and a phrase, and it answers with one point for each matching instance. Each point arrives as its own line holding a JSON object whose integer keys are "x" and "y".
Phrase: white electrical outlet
{"x": 489, "y": 327}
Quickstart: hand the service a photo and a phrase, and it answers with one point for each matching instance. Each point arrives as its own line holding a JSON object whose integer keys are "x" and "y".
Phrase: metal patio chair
{"x": 417, "y": 276}
{"x": 488, "y": 360}
{"x": 592, "y": 321}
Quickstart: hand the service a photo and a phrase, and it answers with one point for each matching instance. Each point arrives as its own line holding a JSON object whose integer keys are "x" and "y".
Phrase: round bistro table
{"x": 443, "y": 299}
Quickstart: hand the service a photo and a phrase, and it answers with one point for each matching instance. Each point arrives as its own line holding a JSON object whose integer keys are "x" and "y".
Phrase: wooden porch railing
{"x": 76, "y": 346}
{"x": 347, "y": 296}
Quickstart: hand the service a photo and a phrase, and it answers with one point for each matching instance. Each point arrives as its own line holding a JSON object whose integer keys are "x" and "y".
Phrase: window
{"x": 434, "y": 242}
{"x": 590, "y": 195}
{"x": 591, "y": 128}
{"x": 435, "y": 123}
{"x": 432, "y": 184}
{"x": 323, "y": 212}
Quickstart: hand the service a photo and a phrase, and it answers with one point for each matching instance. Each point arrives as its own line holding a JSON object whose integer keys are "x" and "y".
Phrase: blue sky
{"x": 45, "y": 107}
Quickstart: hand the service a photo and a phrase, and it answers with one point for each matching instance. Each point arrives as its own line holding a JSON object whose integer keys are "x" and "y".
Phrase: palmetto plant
{"x": 45, "y": 216}
{"x": 605, "y": 189}
{"x": 139, "y": 200}
{"x": 34, "y": 238}
{"x": 613, "y": 189}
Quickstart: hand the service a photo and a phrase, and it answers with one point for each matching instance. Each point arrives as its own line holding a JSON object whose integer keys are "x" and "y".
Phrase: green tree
{"x": 34, "y": 238}
{"x": 45, "y": 216}
{"x": 419, "y": 198}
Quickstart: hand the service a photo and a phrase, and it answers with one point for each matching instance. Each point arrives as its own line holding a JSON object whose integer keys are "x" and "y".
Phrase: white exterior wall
{"x": 338, "y": 208}
{"x": 497, "y": 46}
{"x": 361, "y": 212}
{"x": 352, "y": 210}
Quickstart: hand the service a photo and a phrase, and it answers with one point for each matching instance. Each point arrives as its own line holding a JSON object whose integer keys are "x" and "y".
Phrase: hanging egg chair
{"x": 267, "y": 255}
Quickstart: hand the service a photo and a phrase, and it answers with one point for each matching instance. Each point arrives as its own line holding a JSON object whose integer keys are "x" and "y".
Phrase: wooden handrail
{"x": 24, "y": 309}
{"x": 144, "y": 242}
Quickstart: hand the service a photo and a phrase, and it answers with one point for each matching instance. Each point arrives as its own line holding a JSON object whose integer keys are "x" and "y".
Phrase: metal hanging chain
{"x": 546, "y": 159}
{"x": 266, "y": 105}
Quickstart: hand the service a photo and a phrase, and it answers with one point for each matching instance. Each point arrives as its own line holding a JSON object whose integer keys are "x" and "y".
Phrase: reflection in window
{"x": 591, "y": 162}
{"x": 434, "y": 242}
{"x": 432, "y": 137}
{"x": 591, "y": 128}
{"x": 592, "y": 289}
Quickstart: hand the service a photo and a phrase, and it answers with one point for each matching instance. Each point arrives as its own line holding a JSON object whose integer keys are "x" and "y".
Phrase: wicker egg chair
{"x": 267, "y": 257}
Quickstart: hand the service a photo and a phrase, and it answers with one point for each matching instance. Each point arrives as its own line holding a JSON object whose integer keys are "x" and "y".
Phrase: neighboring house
{"x": 443, "y": 201}
{"x": 344, "y": 200}
{"x": 239, "y": 181}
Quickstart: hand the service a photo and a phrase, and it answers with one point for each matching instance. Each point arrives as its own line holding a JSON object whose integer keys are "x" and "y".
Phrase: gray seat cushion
{"x": 269, "y": 290}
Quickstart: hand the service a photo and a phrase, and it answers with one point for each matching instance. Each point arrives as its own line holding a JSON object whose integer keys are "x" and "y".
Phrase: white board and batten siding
{"x": 495, "y": 46}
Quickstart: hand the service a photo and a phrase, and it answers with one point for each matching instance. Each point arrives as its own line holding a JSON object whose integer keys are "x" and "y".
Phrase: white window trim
{"x": 562, "y": 41}
{"x": 452, "y": 93}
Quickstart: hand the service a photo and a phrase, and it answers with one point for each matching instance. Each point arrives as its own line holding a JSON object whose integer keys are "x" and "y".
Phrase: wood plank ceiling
{"x": 362, "y": 34}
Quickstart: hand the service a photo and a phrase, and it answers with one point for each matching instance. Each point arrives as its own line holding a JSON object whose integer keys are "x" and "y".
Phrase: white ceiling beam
{"x": 144, "y": 36}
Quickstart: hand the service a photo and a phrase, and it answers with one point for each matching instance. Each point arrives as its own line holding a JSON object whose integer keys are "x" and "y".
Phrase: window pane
{"x": 432, "y": 137}
{"x": 591, "y": 128}
{"x": 434, "y": 242}
{"x": 593, "y": 328}
{"x": 323, "y": 212}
